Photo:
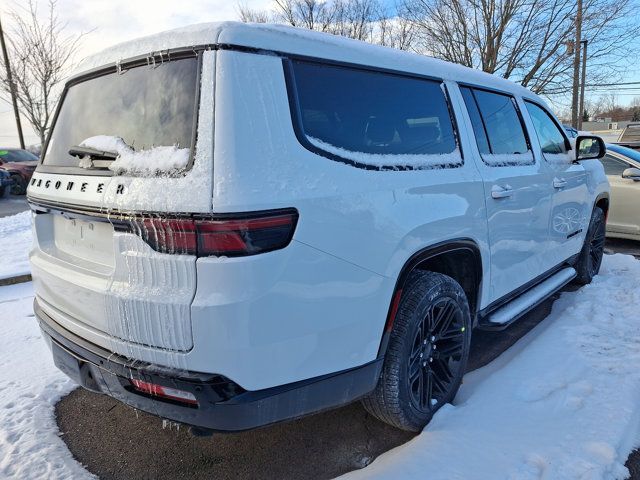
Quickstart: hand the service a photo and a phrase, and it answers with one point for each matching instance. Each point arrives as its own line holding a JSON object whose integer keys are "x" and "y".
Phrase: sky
{"x": 113, "y": 21}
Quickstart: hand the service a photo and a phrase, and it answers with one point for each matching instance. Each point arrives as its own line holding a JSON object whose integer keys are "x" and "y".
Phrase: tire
{"x": 19, "y": 186}
{"x": 417, "y": 378}
{"x": 588, "y": 264}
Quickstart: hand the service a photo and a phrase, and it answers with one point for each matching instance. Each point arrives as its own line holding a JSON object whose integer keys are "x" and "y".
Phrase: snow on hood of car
{"x": 164, "y": 159}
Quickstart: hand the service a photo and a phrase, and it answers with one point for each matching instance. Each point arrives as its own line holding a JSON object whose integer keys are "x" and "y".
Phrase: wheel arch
{"x": 602, "y": 201}
{"x": 459, "y": 258}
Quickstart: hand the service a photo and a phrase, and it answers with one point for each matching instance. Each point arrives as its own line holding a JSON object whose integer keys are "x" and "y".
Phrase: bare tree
{"x": 367, "y": 20}
{"x": 589, "y": 110}
{"x": 311, "y": 14}
{"x": 606, "y": 103}
{"x": 524, "y": 40}
{"x": 396, "y": 32}
{"x": 41, "y": 54}
{"x": 249, "y": 15}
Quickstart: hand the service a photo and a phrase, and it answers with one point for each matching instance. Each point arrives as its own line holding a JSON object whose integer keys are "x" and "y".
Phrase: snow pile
{"x": 507, "y": 159}
{"x": 564, "y": 402}
{"x": 452, "y": 159}
{"x": 30, "y": 385}
{"x": 149, "y": 162}
{"x": 107, "y": 143}
{"x": 15, "y": 232}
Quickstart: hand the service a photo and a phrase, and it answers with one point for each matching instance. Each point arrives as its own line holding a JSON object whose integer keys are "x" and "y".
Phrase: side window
{"x": 613, "y": 166}
{"x": 373, "y": 118}
{"x": 476, "y": 121}
{"x": 551, "y": 138}
{"x": 497, "y": 127}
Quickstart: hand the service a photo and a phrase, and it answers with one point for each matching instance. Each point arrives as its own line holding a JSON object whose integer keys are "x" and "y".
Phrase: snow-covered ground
{"x": 15, "y": 233}
{"x": 563, "y": 403}
{"x": 30, "y": 385}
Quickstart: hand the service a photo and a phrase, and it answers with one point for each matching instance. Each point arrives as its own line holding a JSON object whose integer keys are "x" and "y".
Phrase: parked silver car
{"x": 622, "y": 166}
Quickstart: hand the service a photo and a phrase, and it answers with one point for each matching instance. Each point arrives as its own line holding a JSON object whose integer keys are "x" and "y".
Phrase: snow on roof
{"x": 300, "y": 41}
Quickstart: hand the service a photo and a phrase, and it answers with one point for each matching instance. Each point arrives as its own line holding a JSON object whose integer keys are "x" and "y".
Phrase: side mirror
{"x": 589, "y": 148}
{"x": 632, "y": 173}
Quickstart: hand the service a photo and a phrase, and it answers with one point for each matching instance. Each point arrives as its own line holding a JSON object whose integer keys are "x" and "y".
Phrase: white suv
{"x": 240, "y": 224}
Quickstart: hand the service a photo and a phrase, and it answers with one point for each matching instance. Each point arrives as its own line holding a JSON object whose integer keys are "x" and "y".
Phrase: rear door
{"x": 518, "y": 194}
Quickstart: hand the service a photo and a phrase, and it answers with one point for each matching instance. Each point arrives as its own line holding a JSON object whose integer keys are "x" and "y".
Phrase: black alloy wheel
{"x": 427, "y": 352}
{"x": 590, "y": 259}
{"x": 19, "y": 186}
{"x": 596, "y": 246}
{"x": 437, "y": 354}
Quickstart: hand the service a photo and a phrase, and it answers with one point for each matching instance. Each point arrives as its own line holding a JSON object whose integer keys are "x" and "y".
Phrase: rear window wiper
{"x": 97, "y": 158}
{"x": 78, "y": 151}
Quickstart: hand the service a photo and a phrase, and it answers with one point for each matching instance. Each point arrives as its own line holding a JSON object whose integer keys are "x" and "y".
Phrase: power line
{"x": 611, "y": 84}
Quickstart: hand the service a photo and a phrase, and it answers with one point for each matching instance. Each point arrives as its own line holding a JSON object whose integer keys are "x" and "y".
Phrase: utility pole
{"x": 576, "y": 66}
{"x": 12, "y": 87}
{"x": 584, "y": 80}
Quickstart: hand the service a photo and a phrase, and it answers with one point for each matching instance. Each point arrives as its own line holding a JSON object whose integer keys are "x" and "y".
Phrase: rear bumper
{"x": 222, "y": 404}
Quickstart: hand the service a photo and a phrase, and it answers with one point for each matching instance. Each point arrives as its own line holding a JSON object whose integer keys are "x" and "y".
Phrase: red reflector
{"x": 164, "y": 392}
{"x": 394, "y": 310}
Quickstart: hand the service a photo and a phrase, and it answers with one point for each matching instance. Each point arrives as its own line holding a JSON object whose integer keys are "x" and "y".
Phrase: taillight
{"x": 203, "y": 237}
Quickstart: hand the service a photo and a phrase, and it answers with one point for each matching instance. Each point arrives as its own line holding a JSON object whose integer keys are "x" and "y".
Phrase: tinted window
{"x": 476, "y": 120}
{"x": 613, "y": 166}
{"x": 17, "y": 156}
{"x": 372, "y": 112}
{"x": 550, "y": 136}
{"x": 502, "y": 123}
{"x": 147, "y": 107}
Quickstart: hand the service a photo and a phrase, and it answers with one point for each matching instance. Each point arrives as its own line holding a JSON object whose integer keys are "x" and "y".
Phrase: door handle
{"x": 501, "y": 192}
{"x": 559, "y": 183}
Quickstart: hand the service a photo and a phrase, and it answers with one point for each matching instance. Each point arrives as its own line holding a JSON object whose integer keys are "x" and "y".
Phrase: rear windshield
{"x": 146, "y": 106}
